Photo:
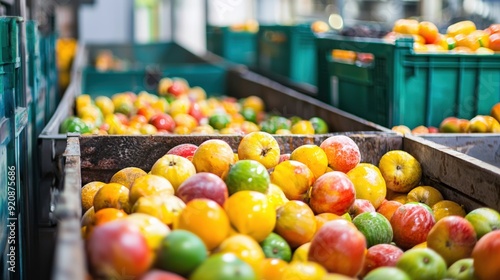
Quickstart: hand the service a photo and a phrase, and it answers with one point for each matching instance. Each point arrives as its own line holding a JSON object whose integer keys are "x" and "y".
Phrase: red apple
{"x": 177, "y": 88}
{"x": 333, "y": 192}
{"x": 453, "y": 237}
{"x": 118, "y": 248}
{"x": 157, "y": 274}
{"x": 486, "y": 255}
{"x": 388, "y": 207}
{"x": 184, "y": 150}
{"x": 163, "y": 121}
{"x": 203, "y": 185}
{"x": 433, "y": 129}
{"x": 381, "y": 255}
{"x": 342, "y": 152}
{"x": 339, "y": 247}
{"x": 411, "y": 224}
{"x": 196, "y": 111}
{"x": 360, "y": 206}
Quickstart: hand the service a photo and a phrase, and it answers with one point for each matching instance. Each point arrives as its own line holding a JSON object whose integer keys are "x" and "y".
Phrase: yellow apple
{"x": 260, "y": 146}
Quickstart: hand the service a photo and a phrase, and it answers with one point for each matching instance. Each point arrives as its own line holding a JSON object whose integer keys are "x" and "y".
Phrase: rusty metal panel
{"x": 466, "y": 179}
{"x": 483, "y": 146}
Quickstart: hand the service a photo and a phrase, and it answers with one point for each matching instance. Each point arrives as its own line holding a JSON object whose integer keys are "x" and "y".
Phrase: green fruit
{"x": 124, "y": 108}
{"x": 247, "y": 175}
{"x": 385, "y": 273}
{"x": 280, "y": 122}
{"x": 295, "y": 119}
{"x": 181, "y": 252}
{"x": 422, "y": 264}
{"x": 63, "y": 128}
{"x": 275, "y": 246}
{"x": 484, "y": 220}
{"x": 375, "y": 227}
{"x": 249, "y": 114}
{"x": 219, "y": 120}
{"x": 225, "y": 266}
{"x": 320, "y": 126}
{"x": 78, "y": 126}
{"x": 462, "y": 269}
{"x": 267, "y": 126}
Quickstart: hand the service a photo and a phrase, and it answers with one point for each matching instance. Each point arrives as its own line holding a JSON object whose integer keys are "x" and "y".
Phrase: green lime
{"x": 281, "y": 122}
{"x": 78, "y": 126}
{"x": 275, "y": 246}
{"x": 225, "y": 266}
{"x": 181, "y": 252}
{"x": 247, "y": 175}
{"x": 267, "y": 126}
{"x": 320, "y": 126}
{"x": 63, "y": 127}
{"x": 249, "y": 114}
{"x": 219, "y": 120}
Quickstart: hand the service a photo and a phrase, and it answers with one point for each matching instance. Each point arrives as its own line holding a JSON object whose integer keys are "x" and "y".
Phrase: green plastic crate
{"x": 404, "y": 87}
{"x": 146, "y": 65}
{"x": 235, "y": 46}
{"x": 49, "y": 73}
{"x": 287, "y": 51}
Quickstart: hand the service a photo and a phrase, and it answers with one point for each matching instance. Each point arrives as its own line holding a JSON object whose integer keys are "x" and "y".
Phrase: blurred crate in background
{"x": 49, "y": 72}
{"x": 398, "y": 86}
{"x": 238, "y": 46}
{"x": 288, "y": 51}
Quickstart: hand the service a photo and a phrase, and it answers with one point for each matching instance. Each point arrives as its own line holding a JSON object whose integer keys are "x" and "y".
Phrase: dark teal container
{"x": 236, "y": 46}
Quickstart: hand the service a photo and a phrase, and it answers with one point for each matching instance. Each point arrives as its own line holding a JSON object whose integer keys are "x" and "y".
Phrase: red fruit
{"x": 333, "y": 192}
{"x": 177, "y": 88}
{"x": 163, "y": 121}
{"x": 339, "y": 247}
{"x": 360, "y": 206}
{"x": 203, "y": 185}
{"x": 342, "y": 152}
{"x": 157, "y": 274}
{"x": 122, "y": 118}
{"x": 196, "y": 112}
{"x": 495, "y": 42}
{"x": 486, "y": 255}
{"x": 381, "y": 255}
{"x": 184, "y": 150}
{"x": 118, "y": 248}
{"x": 411, "y": 224}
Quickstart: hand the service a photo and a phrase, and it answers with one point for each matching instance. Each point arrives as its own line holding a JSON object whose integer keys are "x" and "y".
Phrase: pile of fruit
{"x": 181, "y": 109}
{"x": 478, "y": 124}
{"x": 208, "y": 212}
{"x": 461, "y": 37}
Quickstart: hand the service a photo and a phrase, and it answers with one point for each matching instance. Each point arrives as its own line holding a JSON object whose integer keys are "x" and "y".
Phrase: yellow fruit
{"x": 302, "y": 127}
{"x": 112, "y": 195}
{"x": 272, "y": 269}
{"x": 250, "y": 213}
{"x": 425, "y": 194}
{"x": 176, "y": 169}
{"x": 295, "y": 222}
{"x": 293, "y": 177}
{"x": 421, "y": 245}
{"x": 304, "y": 270}
{"x": 254, "y": 102}
{"x": 88, "y": 217}
{"x": 300, "y": 254}
{"x": 245, "y": 247}
{"x": 88, "y": 192}
{"x": 401, "y": 171}
{"x": 445, "y": 208}
{"x": 215, "y": 156}
{"x": 82, "y": 100}
{"x": 205, "y": 218}
{"x": 164, "y": 207}
{"x": 369, "y": 183}
{"x": 105, "y": 104}
{"x": 313, "y": 156}
{"x": 276, "y": 196}
{"x": 127, "y": 176}
{"x": 149, "y": 185}
{"x": 151, "y": 228}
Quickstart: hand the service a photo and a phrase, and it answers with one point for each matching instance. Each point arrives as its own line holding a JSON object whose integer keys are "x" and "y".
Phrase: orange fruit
{"x": 445, "y": 208}
{"x": 250, "y": 213}
{"x": 245, "y": 248}
{"x": 205, "y": 218}
{"x": 322, "y": 218}
{"x": 254, "y": 102}
{"x": 149, "y": 185}
{"x": 402, "y": 198}
{"x": 428, "y": 31}
{"x": 302, "y": 127}
{"x": 304, "y": 270}
{"x": 300, "y": 254}
{"x": 495, "y": 111}
{"x": 88, "y": 192}
{"x": 164, "y": 207}
{"x": 103, "y": 216}
{"x": 295, "y": 222}
{"x": 152, "y": 228}
{"x": 369, "y": 183}
{"x": 88, "y": 217}
{"x": 421, "y": 245}
{"x": 112, "y": 195}
{"x": 127, "y": 176}
{"x": 313, "y": 156}
{"x": 293, "y": 177}
{"x": 215, "y": 156}
{"x": 272, "y": 269}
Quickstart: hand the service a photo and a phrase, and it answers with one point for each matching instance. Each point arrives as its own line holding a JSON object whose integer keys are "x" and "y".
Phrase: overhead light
{"x": 336, "y": 21}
